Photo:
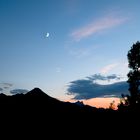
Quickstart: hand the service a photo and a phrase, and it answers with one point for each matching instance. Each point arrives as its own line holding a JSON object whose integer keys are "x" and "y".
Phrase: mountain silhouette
{"x": 36, "y": 92}
{"x": 36, "y": 108}
{"x": 37, "y": 101}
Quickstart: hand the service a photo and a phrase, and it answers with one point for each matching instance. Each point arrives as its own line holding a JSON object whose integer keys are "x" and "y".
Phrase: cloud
{"x": 7, "y": 84}
{"x": 18, "y": 91}
{"x": 108, "y": 68}
{"x": 87, "y": 89}
{"x": 104, "y": 78}
{"x": 97, "y": 27}
{"x": 1, "y": 89}
{"x": 6, "y": 87}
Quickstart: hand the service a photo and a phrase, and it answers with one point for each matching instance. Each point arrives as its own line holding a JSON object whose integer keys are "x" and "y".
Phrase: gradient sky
{"x": 86, "y": 37}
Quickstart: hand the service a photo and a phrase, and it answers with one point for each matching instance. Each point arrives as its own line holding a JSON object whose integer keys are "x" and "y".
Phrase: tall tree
{"x": 134, "y": 74}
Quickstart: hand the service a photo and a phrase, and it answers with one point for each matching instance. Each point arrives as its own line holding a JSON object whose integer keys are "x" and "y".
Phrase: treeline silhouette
{"x": 131, "y": 103}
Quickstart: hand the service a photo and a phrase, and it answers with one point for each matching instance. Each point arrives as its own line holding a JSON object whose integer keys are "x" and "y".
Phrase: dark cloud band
{"x": 86, "y": 88}
{"x": 104, "y": 78}
{"x": 18, "y": 91}
{"x": 1, "y": 89}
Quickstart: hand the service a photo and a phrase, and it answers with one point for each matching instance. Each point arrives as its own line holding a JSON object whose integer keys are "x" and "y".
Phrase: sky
{"x": 50, "y": 43}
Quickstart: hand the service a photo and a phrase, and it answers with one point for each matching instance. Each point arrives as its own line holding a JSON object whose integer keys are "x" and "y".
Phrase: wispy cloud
{"x": 18, "y": 91}
{"x": 118, "y": 67}
{"x": 98, "y": 26}
{"x": 1, "y": 89}
{"x": 101, "y": 77}
{"x": 108, "y": 68}
{"x": 7, "y": 84}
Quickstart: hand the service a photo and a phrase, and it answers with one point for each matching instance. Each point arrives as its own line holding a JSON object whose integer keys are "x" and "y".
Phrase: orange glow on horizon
{"x": 100, "y": 102}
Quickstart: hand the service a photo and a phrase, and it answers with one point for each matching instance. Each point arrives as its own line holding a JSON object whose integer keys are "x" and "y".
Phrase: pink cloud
{"x": 108, "y": 68}
{"x": 97, "y": 27}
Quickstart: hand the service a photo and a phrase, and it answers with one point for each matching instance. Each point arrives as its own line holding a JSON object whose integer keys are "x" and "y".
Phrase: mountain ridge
{"x": 38, "y": 107}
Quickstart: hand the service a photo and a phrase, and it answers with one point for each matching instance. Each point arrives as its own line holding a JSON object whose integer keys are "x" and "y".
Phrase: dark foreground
{"x": 36, "y": 111}
{"x": 37, "y": 103}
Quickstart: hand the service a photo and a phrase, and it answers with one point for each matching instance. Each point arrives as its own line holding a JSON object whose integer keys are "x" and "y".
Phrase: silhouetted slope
{"x": 36, "y": 92}
{"x": 36, "y": 101}
{"x": 36, "y": 108}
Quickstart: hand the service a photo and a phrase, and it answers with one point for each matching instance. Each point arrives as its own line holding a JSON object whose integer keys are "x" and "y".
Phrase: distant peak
{"x": 37, "y": 89}
{"x": 37, "y": 92}
{"x": 80, "y": 103}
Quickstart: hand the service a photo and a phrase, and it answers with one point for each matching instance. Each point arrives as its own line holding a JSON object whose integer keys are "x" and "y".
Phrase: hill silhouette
{"x": 37, "y": 98}
{"x": 36, "y": 108}
{"x": 36, "y": 101}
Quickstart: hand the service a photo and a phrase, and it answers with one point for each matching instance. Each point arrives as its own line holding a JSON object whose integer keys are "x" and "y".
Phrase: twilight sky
{"x": 85, "y": 37}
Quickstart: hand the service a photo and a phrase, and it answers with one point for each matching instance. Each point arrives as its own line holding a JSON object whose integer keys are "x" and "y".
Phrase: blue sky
{"x": 86, "y": 37}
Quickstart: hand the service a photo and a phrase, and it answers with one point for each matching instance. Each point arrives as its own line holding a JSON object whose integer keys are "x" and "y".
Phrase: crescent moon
{"x": 47, "y": 35}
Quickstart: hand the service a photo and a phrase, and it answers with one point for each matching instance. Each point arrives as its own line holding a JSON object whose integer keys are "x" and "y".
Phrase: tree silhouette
{"x": 134, "y": 74}
{"x": 112, "y": 105}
